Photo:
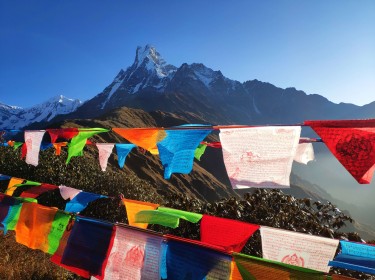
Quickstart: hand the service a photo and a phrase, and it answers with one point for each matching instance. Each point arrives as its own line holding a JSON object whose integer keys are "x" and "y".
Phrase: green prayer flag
{"x": 188, "y": 216}
{"x": 58, "y": 227}
{"x": 78, "y": 142}
{"x": 16, "y": 145}
{"x": 200, "y": 151}
{"x": 27, "y": 183}
{"x": 157, "y": 217}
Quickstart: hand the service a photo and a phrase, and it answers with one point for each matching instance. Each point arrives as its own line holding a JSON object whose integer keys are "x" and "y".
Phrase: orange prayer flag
{"x": 144, "y": 138}
{"x": 58, "y": 147}
{"x": 133, "y": 207}
{"x": 34, "y": 225}
{"x": 12, "y": 185}
{"x": 234, "y": 272}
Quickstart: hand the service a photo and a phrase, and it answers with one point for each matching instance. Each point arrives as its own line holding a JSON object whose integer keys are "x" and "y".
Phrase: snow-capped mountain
{"x": 12, "y": 117}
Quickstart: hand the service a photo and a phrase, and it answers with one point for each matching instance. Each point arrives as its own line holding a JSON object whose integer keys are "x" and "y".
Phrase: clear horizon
{"x": 77, "y": 49}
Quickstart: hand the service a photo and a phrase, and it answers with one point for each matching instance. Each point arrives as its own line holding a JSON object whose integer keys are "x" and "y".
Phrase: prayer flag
{"x": 36, "y": 191}
{"x": 45, "y": 146}
{"x": 355, "y": 256}
{"x": 59, "y": 224}
{"x": 34, "y": 225}
{"x": 12, "y": 185}
{"x": 22, "y": 186}
{"x": 186, "y": 215}
{"x": 177, "y": 150}
{"x": 4, "y": 177}
{"x": 305, "y": 153}
{"x": 298, "y": 249}
{"x": 146, "y": 138}
{"x": 134, "y": 255}
{"x": 78, "y": 142}
{"x": 133, "y": 207}
{"x": 191, "y": 261}
{"x": 248, "y": 152}
{"x": 229, "y": 234}
{"x": 33, "y": 139}
{"x": 87, "y": 247}
{"x": 81, "y": 200}
{"x": 68, "y": 192}
{"x": 158, "y": 218}
{"x": 122, "y": 152}
{"x": 199, "y": 151}
{"x": 65, "y": 133}
{"x": 352, "y": 142}
{"x": 253, "y": 268}
{"x": 105, "y": 151}
{"x": 58, "y": 147}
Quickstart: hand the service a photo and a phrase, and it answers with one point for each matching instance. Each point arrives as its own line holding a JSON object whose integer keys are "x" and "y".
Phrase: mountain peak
{"x": 148, "y": 55}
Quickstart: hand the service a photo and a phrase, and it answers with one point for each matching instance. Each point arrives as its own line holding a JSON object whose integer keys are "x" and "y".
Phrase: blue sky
{"x": 76, "y": 48}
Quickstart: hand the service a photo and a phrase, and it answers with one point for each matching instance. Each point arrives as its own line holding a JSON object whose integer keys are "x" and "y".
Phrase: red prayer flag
{"x": 66, "y": 133}
{"x": 352, "y": 142}
{"x": 229, "y": 234}
{"x": 36, "y": 191}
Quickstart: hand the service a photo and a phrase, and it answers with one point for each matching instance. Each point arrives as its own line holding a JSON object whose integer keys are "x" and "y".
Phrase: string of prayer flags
{"x": 105, "y": 151}
{"x": 199, "y": 151}
{"x": 65, "y": 133}
{"x": 81, "y": 200}
{"x": 355, "y": 256}
{"x": 88, "y": 247}
{"x": 78, "y": 142}
{"x": 186, "y": 215}
{"x": 229, "y": 234}
{"x": 157, "y": 218}
{"x": 122, "y": 152}
{"x": 58, "y": 147}
{"x": 36, "y": 191}
{"x": 34, "y": 225}
{"x": 187, "y": 260}
{"x": 304, "y": 153}
{"x": 68, "y": 192}
{"x": 352, "y": 142}
{"x": 12, "y": 185}
{"x": 253, "y": 268}
{"x": 134, "y": 255}
{"x": 247, "y": 152}
{"x": 177, "y": 150}
{"x": 298, "y": 249}
{"x": 33, "y": 139}
{"x": 133, "y": 207}
{"x": 146, "y": 138}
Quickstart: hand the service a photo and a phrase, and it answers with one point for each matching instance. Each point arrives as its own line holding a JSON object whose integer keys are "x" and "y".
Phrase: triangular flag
{"x": 352, "y": 142}
{"x": 200, "y": 151}
{"x": 177, "y": 150}
{"x": 298, "y": 249}
{"x": 229, "y": 234}
{"x": 36, "y": 191}
{"x": 65, "y": 133}
{"x": 122, "y": 152}
{"x": 248, "y": 152}
{"x": 12, "y": 185}
{"x": 146, "y": 138}
{"x": 186, "y": 215}
{"x": 81, "y": 201}
{"x": 157, "y": 218}
{"x": 68, "y": 192}
{"x": 133, "y": 207}
{"x": 58, "y": 147}
{"x": 33, "y": 139}
{"x": 105, "y": 151}
{"x": 45, "y": 146}
{"x": 78, "y": 142}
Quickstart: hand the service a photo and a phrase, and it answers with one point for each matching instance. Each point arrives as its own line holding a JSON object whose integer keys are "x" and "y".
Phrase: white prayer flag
{"x": 105, "y": 151}
{"x": 298, "y": 249}
{"x": 259, "y": 157}
{"x": 305, "y": 153}
{"x": 33, "y": 139}
{"x": 134, "y": 255}
{"x": 68, "y": 192}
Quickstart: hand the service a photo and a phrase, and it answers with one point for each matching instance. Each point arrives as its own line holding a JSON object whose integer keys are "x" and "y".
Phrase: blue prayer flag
{"x": 81, "y": 200}
{"x": 122, "y": 152}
